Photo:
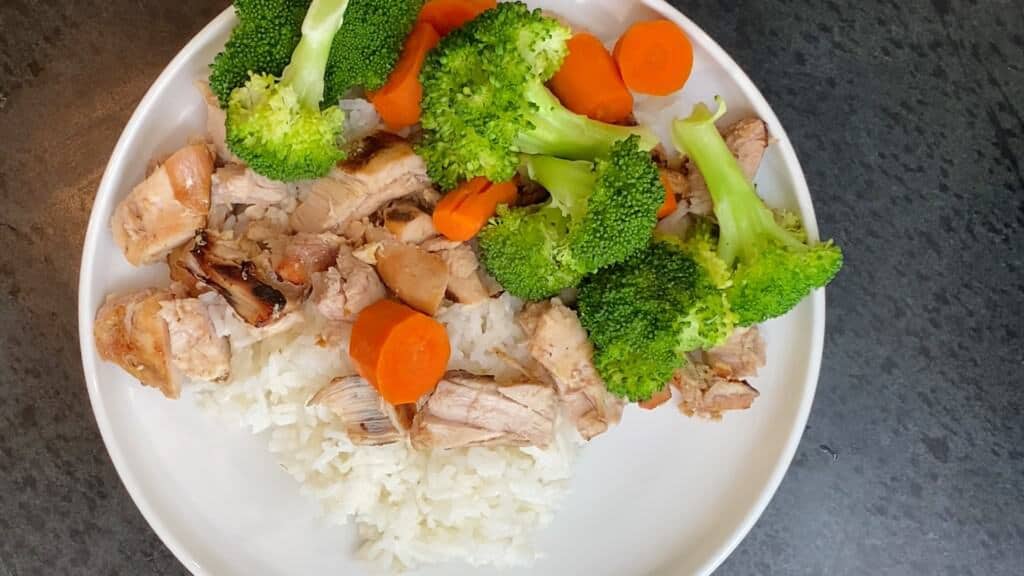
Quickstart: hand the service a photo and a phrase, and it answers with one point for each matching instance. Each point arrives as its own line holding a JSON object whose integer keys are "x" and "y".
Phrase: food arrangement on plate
{"x": 427, "y": 252}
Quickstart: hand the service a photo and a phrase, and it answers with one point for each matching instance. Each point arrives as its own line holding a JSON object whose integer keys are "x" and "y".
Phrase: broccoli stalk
{"x": 276, "y": 125}
{"x": 556, "y": 131}
{"x": 599, "y": 214}
{"x": 644, "y": 314}
{"x": 772, "y": 268}
{"x": 484, "y": 100}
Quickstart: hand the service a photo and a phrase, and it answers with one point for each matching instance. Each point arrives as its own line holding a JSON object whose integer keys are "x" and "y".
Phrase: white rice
{"x": 477, "y": 505}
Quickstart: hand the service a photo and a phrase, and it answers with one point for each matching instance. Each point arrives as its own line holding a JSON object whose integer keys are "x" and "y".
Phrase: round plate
{"x": 661, "y": 493}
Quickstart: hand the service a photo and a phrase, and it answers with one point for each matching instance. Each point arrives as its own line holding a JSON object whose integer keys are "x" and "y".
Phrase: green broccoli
{"x": 276, "y": 125}
{"x": 263, "y": 41}
{"x": 484, "y": 100}
{"x": 367, "y": 48}
{"x": 772, "y": 266}
{"x": 644, "y": 314}
{"x": 599, "y": 214}
{"x": 362, "y": 55}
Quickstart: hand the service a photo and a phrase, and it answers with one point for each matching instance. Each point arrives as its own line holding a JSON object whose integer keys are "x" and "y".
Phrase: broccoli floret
{"x": 362, "y": 55}
{"x": 773, "y": 268}
{"x": 644, "y": 314}
{"x": 599, "y": 214}
{"x": 484, "y": 100}
{"x": 276, "y": 125}
{"x": 263, "y": 41}
{"x": 366, "y": 50}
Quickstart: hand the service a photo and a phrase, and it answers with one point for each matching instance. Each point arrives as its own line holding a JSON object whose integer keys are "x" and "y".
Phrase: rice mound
{"x": 477, "y": 505}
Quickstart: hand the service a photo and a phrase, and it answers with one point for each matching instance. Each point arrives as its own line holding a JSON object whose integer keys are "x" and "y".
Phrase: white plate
{"x": 659, "y": 494}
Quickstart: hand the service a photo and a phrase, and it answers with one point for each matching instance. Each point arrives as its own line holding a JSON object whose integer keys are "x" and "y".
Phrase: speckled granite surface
{"x": 908, "y": 119}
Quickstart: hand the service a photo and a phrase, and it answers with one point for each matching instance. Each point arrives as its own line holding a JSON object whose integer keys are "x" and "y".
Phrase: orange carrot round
{"x": 398, "y": 101}
{"x": 654, "y": 57}
{"x": 589, "y": 83}
{"x": 465, "y": 210}
{"x": 447, "y": 15}
{"x": 402, "y": 352}
{"x": 670, "y": 204}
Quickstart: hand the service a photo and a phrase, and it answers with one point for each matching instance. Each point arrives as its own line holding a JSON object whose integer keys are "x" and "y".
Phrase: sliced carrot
{"x": 465, "y": 210}
{"x": 654, "y": 57}
{"x": 447, "y": 15}
{"x": 670, "y": 204}
{"x": 589, "y": 82}
{"x": 659, "y": 398}
{"x": 402, "y": 352}
{"x": 398, "y": 101}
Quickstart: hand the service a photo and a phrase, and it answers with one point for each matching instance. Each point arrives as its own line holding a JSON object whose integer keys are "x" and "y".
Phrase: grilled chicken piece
{"x": 196, "y": 348}
{"x": 216, "y": 122}
{"x": 178, "y": 266}
{"x": 467, "y": 410}
{"x": 343, "y": 291}
{"x": 708, "y": 395}
{"x": 241, "y": 275}
{"x": 465, "y": 283}
{"x": 741, "y": 356}
{"x": 383, "y": 168}
{"x": 238, "y": 184}
{"x": 306, "y": 255}
{"x": 408, "y": 222}
{"x": 130, "y": 332}
{"x": 167, "y": 208}
{"x": 368, "y": 419}
{"x": 559, "y": 343}
{"x": 416, "y": 276}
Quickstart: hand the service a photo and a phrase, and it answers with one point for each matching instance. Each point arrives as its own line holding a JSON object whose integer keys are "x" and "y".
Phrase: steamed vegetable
{"x": 485, "y": 102}
{"x": 589, "y": 83}
{"x": 262, "y": 42}
{"x": 275, "y": 124}
{"x": 599, "y": 214}
{"x": 402, "y": 352}
{"x": 464, "y": 211}
{"x": 654, "y": 57}
{"x": 772, "y": 266}
{"x": 365, "y": 51}
{"x": 268, "y": 31}
{"x": 645, "y": 313}
{"x": 448, "y": 15}
{"x": 670, "y": 204}
{"x": 398, "y": 101}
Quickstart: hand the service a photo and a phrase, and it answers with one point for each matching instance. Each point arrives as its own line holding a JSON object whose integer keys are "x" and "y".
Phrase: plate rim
{"x": 97, "y": 225}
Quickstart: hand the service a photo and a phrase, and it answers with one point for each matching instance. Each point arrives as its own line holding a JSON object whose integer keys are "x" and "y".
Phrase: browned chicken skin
{"x": 241, "y": 274}
{"x": 408, "y": 222}
{"x": 165, "y": 210}
{"x": 130, "y": 332}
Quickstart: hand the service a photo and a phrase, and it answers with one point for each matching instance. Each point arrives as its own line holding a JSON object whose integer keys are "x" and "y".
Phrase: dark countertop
{"x": 908, "y": 120}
